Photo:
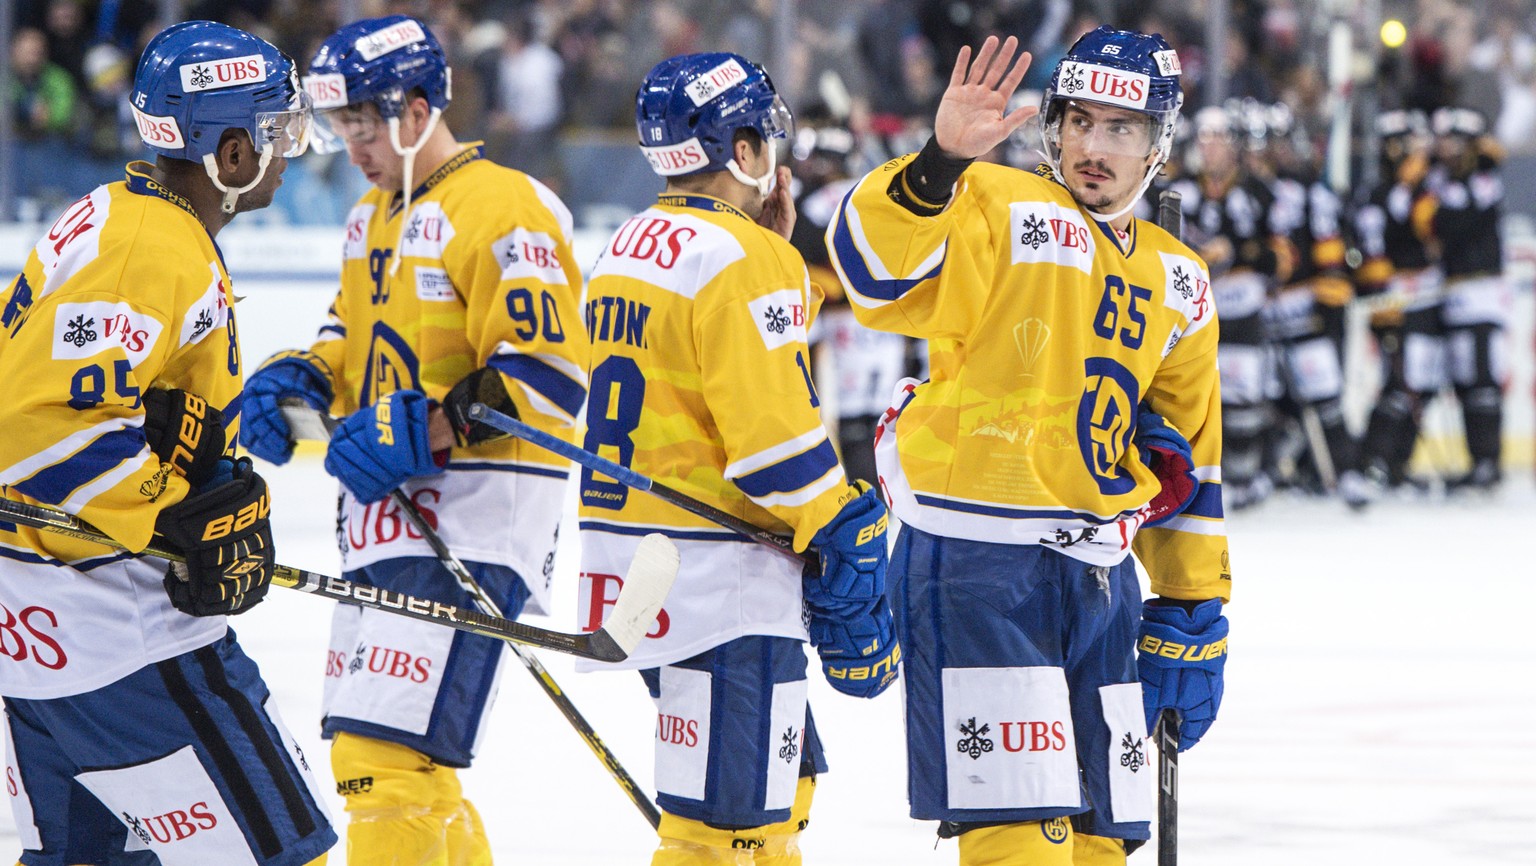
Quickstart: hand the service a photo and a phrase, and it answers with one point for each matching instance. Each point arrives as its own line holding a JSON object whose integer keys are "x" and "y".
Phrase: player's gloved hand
{"x": 376, "y": 449}
{"x": 222, "y": 530}
{"x": 1167, "y": 453}
{"x": 853, "y": 557}
{"x": 184, "y": 432}
{"x": 1182, "y": 653}
{"x": 858, "y": 654}
{"x": 482, "y": 386}
{"x": 286, "y": 375}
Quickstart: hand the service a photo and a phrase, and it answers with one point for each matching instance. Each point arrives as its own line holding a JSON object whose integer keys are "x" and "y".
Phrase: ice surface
{"x": 1379, "y": 707}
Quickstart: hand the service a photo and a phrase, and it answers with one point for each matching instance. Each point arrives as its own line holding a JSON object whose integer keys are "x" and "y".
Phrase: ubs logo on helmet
{"x": 215, "y": 74}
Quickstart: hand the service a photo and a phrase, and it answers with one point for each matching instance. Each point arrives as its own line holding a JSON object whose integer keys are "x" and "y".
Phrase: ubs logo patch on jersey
{"x": 356, "y": 244}
{"x": 526, "y": 254}
{"x": 427, "y": 231}
{"x": 83, "y": 330}
{"x": 1046, "y": 232}
{"x": 1188, "y": 290}
{"x": 209, "y": 313}
{"x": 780, "y": 317}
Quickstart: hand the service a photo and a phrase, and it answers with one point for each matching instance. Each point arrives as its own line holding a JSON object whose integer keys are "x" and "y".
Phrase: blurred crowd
{"x": 533, "y": 76}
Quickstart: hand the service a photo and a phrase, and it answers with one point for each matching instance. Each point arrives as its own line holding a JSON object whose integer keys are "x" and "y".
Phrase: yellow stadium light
{"x": 1393, "y": 33}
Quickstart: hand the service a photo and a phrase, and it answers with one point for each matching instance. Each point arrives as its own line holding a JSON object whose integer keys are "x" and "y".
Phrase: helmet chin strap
{"x": 764, "y": 183}
{"x": 407, "y": 187}
{"x": 233, "y": 195}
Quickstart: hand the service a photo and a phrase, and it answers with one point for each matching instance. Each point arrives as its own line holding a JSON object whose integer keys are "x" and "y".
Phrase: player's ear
{"x": 236, "y": 157}
{"x": 746, "y": 147}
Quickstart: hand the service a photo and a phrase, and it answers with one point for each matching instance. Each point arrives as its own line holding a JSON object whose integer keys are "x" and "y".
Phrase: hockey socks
{"x": 404, "y": 808}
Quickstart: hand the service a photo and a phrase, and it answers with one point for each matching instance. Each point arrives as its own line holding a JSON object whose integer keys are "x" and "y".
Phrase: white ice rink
{"x": 1380, "y": 705}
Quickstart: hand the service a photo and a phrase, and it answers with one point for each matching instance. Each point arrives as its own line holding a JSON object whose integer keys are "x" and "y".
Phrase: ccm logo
{"x": 653, "y": 239}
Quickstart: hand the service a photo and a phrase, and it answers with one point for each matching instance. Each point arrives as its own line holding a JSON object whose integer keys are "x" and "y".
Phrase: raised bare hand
{"x": 973, "y": 116}
{"x": 778, "y": 214}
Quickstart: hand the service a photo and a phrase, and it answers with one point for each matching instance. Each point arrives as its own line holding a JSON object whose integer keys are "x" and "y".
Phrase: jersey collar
{"x": 1125, "y": 244}
{"x": 472, "y": 152}
{"x": 141, "y": 182}
{"x": 702, "y": 202}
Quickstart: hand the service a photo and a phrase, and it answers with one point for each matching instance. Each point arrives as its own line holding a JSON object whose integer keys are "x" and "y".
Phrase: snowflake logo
{"x": 705, "y": 87}
{"x": 1034, "y": 232}
{"x": 973, "y": 743}
{"x": 137, "y": 826}
{"x": 200, "y": 77}
{"x": 791, "y": 748}
{"x": 777, "y": 321}
{"x": 81, "y": 331}
{"x": 298, "y": 751}
{"x": 1074, "y": 80}
{"x": 1133, "y": 758}
{"x": 1181, "y": 283}
{"x": 203, "y": 323}
{"x": 357, "y": 659}
{"x": 413, "y": 231}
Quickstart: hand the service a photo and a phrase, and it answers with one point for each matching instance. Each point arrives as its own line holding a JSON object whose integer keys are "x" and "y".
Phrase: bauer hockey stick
{"x": 645, "y": 587}
{"x": 630, "y": 478}
{"x": 1170, "y": 216}
{"x": 306, "y": 423}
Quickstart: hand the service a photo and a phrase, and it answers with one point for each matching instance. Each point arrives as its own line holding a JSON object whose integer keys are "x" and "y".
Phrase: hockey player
{"x": 1305, "y": 317}
{"x": 139, "y": 731}
{"x": 1398, "y": 271}
{"x": 688, "y": 297}
{"x": 1023, "y": 470}
{"x": 1468, "y": 347}
{"x": 457, "y": 284}
{"x": 1227, "y": 218}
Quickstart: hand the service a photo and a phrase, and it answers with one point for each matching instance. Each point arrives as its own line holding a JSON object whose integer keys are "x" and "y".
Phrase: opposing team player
{"x": 688, "y": 297}
{"x": 1305, "y": 316}
{"x": 1399, "y": 273}
{"x": 1467, "y": 348}
{"x": 1024, "y": 472}
{"x": 139, "y": 730}
{"x": 457, "y": 284}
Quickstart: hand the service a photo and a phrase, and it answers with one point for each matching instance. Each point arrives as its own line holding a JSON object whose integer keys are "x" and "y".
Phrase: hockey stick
{"x": 1170, "y": 216}
{"x": 304, "y": 422}
{"x": 630, "y": 478}
{"x": 650, "y": 575}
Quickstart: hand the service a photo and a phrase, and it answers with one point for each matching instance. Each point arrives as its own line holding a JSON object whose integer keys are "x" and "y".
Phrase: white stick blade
{"x": 304, "y": 423}
{"x": 646, "y": 585}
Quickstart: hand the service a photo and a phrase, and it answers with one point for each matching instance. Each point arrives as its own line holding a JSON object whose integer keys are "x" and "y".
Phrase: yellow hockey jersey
{"x": 1046, "y": 329}
{"x": 125, "y": 292}
{"x": 485, "y": 277}
{"x": 701, "y": 381}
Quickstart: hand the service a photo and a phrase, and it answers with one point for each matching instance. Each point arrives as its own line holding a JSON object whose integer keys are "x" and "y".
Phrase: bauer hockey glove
{"x": 858, "y": 654}
{"x": 853, "y": 557}
{"x": 1182, "y": 653}
{"x": 1167, "y": 453}
{"x": 375, "y": 449}
{"x": 184, "y": 432}
{"x": 284, "y": 376}
{"x": 222, "y": 531}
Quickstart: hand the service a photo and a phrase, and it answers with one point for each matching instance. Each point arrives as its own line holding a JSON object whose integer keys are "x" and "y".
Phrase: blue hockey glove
{"x": 853, "y": 557}
{"x": 1167, "y": 453}
{"x": 375, "y": 449}
{"x": 1182, "y": 654}
{"x": 286, "y": 375}
{"x": 858, "y": 654}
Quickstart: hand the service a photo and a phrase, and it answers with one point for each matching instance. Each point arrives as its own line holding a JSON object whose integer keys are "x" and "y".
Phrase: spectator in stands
{"x": 525, "y": 103}
{"x": 43, "y": 95}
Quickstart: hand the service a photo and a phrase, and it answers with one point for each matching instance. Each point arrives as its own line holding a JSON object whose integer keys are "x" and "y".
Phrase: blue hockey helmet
{"x": 199, "y": 78}
{"x": 689, "y": 108}
{"x": 377, "y": 60}
{"x": 1120, "y": 68}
